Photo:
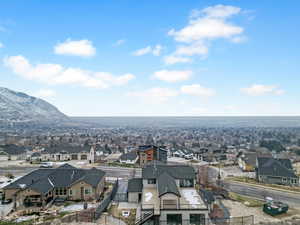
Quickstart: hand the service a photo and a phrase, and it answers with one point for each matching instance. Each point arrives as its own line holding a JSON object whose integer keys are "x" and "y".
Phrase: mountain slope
{"x": 20, "y": 107}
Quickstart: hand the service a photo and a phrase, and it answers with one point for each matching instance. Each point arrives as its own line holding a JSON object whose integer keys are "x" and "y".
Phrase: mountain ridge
{"x": 21, "y": 107}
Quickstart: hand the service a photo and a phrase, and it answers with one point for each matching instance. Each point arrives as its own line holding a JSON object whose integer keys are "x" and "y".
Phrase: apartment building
{"x": 148, "y": 153}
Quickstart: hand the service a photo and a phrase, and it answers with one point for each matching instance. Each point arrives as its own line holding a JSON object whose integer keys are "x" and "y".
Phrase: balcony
{"x": 183, "y": 207}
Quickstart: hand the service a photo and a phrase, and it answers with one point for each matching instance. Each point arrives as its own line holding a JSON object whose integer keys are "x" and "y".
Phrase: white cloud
{"x": 57, "y": 74}
{"x": 45, "y": 93}
{"x": 157, "y": 94}
{"x": 197, "y": 90}
{"x": 142, "y": 51}
{"x": 193, "y": 49}
{"x": 1, "y": 45}
{"x": 156, "y": 50}
{"x": 172, "y": 59}
{"x": 82, "y": 48}
{"x": 239, "y": 39}
{"x": 259, "y": 89}
{"x": 221, "y": 11}
{"x": 203, "y": 27}
{"x": 119, "y": 42}
{"x": 172, "y": 75}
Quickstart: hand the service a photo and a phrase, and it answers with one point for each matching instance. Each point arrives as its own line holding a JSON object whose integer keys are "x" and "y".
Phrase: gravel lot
{"x": 238, "y": 209}
{"x": 235, "y": 171}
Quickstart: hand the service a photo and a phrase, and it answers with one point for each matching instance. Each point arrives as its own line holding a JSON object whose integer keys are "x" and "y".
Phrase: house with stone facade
{"x": 65, "y": 182}
{"x": 66, "y": 153}
{"x": 167, "y": 195}
{"x": 276, "y": 171}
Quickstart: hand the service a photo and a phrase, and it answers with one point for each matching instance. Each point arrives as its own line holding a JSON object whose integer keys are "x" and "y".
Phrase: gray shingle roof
{"x": 176, "y": 171}
{"x": 129, "y": 156}
{"x": 67, "y": 149}
{"x": 287, "y": 163}
{"x": 43, "y": 180}
{"x": 135, "y": 185}
{"x": 12, "y": 149}
{"x": 273, "y": 167}
{"x": 166, "y": 184}
{"x": 250, "y": 158}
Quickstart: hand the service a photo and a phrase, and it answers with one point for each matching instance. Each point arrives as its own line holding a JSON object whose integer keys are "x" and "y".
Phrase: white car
{"x": 46, "y": 165}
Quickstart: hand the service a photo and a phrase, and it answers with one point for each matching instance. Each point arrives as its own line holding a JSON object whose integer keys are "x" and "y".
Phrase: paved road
{"x": 16, "y": 171}
{"x": 256, "y": 192}
{"x": 260, "y": 193}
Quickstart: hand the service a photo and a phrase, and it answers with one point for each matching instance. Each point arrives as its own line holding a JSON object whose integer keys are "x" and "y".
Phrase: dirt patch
{"x": 117, "y": 213}
{"x": 238, "y": 209}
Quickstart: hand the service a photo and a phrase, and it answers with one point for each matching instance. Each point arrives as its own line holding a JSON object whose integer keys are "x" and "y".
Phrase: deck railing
{"x": 175, "y": 207}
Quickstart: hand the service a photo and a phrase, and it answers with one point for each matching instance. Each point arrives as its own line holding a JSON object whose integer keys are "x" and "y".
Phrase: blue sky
{"x": 154, "y": 58}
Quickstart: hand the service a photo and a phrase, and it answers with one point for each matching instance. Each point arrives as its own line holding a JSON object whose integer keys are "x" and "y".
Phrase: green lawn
{"x": 250, "y": 202}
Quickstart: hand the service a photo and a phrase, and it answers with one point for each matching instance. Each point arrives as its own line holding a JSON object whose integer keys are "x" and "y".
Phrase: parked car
{"x": 46, "y": 165}
{"x": 5, "y": 202}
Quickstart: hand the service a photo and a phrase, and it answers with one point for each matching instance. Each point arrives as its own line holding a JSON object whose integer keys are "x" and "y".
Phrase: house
{"x": 114, "y": 157}
{"x": 135, "y": 189}
{"x": 247, "y": 162}
{"x": 276, "y": 171}
{"x": 12, "y": 152}
{"x": 35, "y": 156}
{"x": 3, "y": 156}
{"x": 167, "y": 194}
{"x": 148, "y": 153}
{"x": 65, "y": 153}
{"x": 43, "y": 185}
{"x": 129, "y": 158}
{"x": 98, "y": 153}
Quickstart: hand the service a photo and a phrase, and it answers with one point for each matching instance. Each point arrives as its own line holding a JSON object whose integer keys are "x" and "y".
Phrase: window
{"x": 61, "y": 191}
{"x": 87, "y": 191}
{"x": 174, "y": 219}
{"x": 197, "y": 219}
{"x": 294, "y": 181}
{"x": 70, "y": 192}
{"x": 187, "y": 183}
{"x": 151, "y": 181}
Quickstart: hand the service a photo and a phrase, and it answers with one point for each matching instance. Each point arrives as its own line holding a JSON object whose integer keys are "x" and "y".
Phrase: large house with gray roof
{"x": 65, "y": 182}
{"x": 65, "y": 153}
{"x": 167, "y": 195}
{"x": 129, "y": 158}
{"x": 12, "y": 152}
{"x": 276, "y": 171}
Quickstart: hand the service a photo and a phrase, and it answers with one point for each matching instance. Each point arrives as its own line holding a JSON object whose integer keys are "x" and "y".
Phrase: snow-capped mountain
{"x": 20, "y": 107}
